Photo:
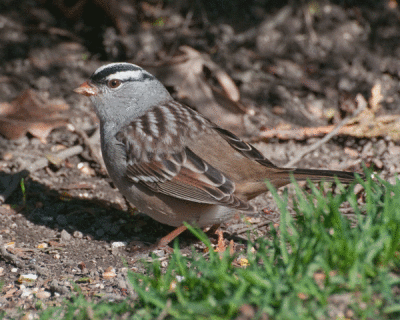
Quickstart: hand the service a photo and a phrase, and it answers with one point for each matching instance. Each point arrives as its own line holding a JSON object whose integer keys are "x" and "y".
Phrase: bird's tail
{"x": 327, "y": 175}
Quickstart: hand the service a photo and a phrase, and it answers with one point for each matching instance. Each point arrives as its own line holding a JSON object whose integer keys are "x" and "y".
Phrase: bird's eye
{"x": 114, "y": 83}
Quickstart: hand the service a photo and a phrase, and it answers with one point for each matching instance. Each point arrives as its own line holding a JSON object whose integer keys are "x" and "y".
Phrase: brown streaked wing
{"x": 244, "y": 148}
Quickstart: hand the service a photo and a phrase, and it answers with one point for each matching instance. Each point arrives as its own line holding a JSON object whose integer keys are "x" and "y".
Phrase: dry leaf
{"x": 243, "y": 262}
{"x": 109, "y": 273}
{"x": 221, "y": 242}
{"x": 29, "y": 113}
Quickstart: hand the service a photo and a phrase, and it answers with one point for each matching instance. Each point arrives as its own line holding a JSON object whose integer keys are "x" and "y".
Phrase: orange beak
{"x": 87, "y": 89}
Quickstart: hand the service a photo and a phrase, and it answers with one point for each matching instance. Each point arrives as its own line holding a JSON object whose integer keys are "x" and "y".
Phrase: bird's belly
{"x": 174, "y": 212}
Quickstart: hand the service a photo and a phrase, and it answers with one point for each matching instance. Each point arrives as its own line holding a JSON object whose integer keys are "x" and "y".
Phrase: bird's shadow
{"x": 94, "y": 218}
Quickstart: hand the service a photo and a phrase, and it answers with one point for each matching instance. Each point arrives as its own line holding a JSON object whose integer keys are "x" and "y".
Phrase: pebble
{"x": 7, "y": 156}
{"x": 43, "y": 295}
{"x": 27, "y": 278}
{"x": 65, "y": 236}
{"x": 25, "y": 293}
{"x": 78, "y": 234}
{"x": 43, "y": 83}
{"x": 122, "y": 284}
{"x": 118, "y": 244}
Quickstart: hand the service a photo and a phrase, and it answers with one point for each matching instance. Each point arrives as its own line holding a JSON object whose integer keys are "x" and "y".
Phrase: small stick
{"x": 62, "y": 155}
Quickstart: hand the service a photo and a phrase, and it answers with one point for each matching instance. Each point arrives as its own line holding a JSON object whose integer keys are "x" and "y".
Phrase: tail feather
{"x": 328, "y": 175}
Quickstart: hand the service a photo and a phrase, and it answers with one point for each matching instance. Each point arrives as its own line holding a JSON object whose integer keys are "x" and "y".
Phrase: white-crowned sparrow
{"x": 171, "y": 162}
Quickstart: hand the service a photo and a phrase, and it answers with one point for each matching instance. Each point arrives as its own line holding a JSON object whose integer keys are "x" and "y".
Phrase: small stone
{"x": 118, "y": 244}
{"x": 43, "y": 83}
{"x": 378, "y": 163}
{"x": 7, "y": 156}
{"x": 122, "y": 284}
{"x": 27, "y": 278}
{"x": 65, "y": 236}
{"x": 78, "y": 235}
{"x": 43, "y": 295}
{"x": 85, "y": 169}
{"x": 164, "y": 263}
{"x": 349, "y": 314}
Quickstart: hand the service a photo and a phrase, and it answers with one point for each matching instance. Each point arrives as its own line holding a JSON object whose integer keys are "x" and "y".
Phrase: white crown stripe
{"x": 126, "y": 75}
{"x": 112, "y": 66}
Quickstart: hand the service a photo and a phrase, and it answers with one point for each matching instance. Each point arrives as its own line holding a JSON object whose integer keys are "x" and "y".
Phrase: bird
{"x": 171, "y": 162}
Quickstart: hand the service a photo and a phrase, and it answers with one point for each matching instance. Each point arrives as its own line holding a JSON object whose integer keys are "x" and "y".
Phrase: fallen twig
{"x": 62, "y": 155}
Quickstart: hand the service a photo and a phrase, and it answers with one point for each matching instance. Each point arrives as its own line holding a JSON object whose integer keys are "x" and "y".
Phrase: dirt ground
{"x": 295, "y": 66}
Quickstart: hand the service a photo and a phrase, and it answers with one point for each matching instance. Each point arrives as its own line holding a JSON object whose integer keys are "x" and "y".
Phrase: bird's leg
{"x": 161, "y": 244}
{"x": 164, "y": 241}
{"x": 213, "y": 229}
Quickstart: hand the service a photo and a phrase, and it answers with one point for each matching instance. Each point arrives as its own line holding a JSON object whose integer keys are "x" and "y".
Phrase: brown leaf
{"x": 30, "y": 113}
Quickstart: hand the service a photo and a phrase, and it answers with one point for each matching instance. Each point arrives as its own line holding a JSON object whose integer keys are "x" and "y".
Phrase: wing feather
{"x": 174, "y": 169}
